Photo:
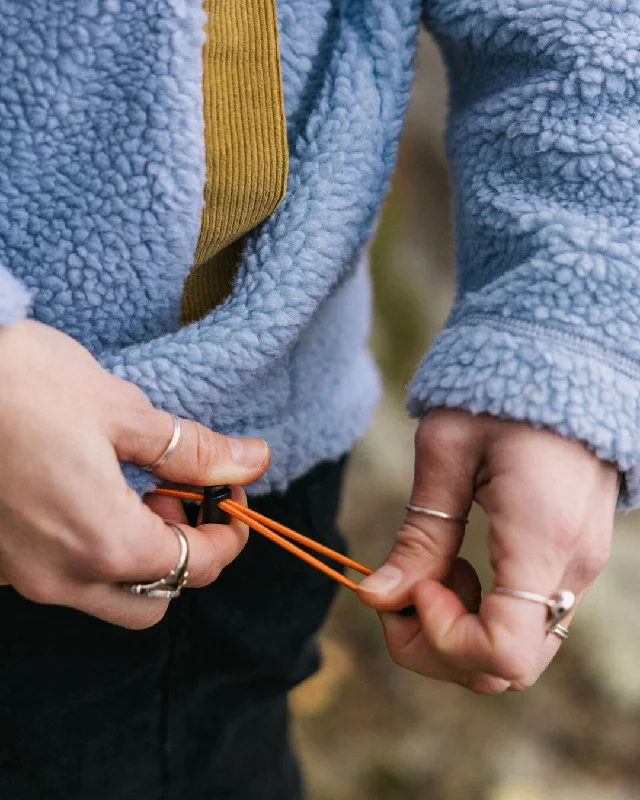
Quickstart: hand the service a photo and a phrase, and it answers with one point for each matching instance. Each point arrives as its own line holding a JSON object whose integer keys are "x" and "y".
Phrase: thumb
{"x": 426, "y": 545}
{"x": 201, "y": 457}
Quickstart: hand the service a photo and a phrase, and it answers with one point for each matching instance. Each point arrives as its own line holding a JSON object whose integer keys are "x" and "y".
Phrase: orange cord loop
{"x": 276, "y": 533}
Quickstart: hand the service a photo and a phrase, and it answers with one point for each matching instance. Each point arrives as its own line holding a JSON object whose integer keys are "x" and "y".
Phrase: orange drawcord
{"x": 181, "y": 494}
{"x": 297, "y": 537}
{"x": 263, "y": 525}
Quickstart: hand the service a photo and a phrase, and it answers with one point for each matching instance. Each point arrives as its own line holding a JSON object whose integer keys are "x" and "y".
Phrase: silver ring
{"x": 560, "y": 631}
{"x": 172, "y": 584}
{"x": 558, "y": 606}
{"x": 429, "y": 512}
{"x": 173, "y": 443}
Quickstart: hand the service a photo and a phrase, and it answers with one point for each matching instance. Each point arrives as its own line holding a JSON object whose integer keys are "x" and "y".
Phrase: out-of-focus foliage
{"x": 370, "y": 731}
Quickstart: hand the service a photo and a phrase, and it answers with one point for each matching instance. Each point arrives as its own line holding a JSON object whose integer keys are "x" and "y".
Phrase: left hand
{"x": 550, "y": 505}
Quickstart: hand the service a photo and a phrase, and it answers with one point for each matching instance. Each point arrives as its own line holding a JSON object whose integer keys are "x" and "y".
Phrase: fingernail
{"x": 248, "y": 452}
{"x": 383, "y": 580}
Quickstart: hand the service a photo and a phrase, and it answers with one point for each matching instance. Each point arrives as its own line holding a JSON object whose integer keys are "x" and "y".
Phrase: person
{"x": 116, "y": 341}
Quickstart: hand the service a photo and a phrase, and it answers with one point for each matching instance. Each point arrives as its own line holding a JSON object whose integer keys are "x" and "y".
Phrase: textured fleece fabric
{"x": 101, "y": 180}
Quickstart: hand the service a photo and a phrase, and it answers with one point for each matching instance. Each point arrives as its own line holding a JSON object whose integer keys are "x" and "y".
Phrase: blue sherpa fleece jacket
{"x": 101, "y": 184}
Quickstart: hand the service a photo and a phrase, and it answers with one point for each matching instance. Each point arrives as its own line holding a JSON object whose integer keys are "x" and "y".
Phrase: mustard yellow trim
{"x": 245, "y": 141}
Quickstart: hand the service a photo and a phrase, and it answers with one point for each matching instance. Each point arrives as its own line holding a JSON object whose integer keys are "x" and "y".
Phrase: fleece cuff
{"x": 522, "y": 371}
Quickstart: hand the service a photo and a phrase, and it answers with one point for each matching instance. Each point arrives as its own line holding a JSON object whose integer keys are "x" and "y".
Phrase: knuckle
{"x": 226, "y": 547}
{"x": 107, "y": 561}
{"x": 512, "y": 664}
{"x": 209, "y": 574}
{"x": 591, "y": 562}
{"x": 209, "y": 570}
{"x": 207, "y": 449}
{"x": 443, "y": 431}
{"x": 133, "y": 409}
{"x": 130, "y": 412}
{"x": 135, "y": 399}
{"x": 559, "y": 528}
{"x": 414, "y": 541}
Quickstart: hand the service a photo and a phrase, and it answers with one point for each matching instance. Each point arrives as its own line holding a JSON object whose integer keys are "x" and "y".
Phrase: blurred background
{"x": 368, "y": 730}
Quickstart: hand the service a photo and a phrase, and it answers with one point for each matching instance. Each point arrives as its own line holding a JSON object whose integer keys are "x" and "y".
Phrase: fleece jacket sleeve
{"x": 544, "y": 148}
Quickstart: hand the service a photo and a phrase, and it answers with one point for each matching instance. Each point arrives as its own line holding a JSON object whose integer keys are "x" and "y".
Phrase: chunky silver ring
{"x": 560, "y": 631}
{"x": 559, "y": 605}
{"x": 429, "y": 512}
{"x": 172, "y": 584}
{"x": 173, "y": 443}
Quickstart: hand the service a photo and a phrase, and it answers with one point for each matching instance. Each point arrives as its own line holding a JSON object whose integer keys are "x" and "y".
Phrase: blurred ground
{"x": 370, "y": 731}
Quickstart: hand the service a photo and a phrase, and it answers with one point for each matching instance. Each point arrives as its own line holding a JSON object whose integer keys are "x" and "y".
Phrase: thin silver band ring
{"x": 558, "y": 606}
{"x": 173, "y": 443}
{"x": 172, "y": 584}
{"x": 534, "y": 598}
{"x": 430, "y": 512}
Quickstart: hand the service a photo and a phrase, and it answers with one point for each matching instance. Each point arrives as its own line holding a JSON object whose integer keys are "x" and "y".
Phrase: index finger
{"x": 446, "y": 458}
{"x": 200, "y": 456}
{"x": 530, "y": 552}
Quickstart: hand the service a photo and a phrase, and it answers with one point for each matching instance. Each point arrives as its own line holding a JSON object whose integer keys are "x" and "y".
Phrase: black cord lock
{"x": 211, "y": 513}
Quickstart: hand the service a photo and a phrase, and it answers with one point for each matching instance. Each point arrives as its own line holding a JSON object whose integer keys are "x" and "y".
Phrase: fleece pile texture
{"x": 101, "y": 183}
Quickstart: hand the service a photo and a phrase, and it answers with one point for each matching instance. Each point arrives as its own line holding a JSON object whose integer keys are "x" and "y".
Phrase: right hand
{"x": 71, "y": 530}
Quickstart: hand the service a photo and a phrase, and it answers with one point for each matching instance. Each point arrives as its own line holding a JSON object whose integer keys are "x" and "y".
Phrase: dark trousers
{"x": 195, "y": 707}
